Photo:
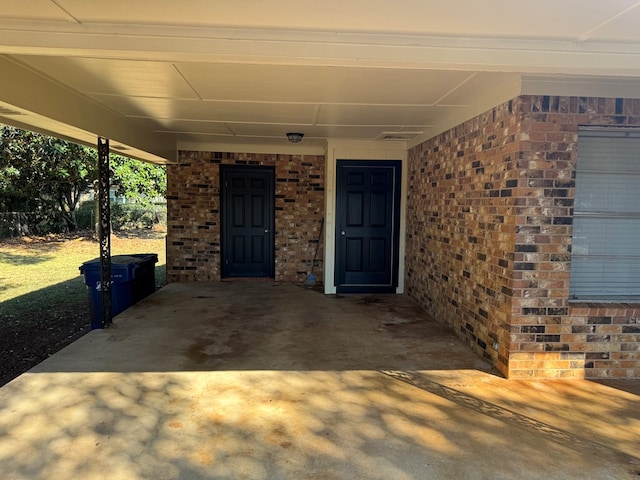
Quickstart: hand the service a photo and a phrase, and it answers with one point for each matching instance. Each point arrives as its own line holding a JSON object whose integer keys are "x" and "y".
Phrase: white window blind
{"x": 605, "y": 260}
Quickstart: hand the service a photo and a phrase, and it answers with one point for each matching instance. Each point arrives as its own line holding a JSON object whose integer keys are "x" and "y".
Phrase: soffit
{"x": 249, "y": 71}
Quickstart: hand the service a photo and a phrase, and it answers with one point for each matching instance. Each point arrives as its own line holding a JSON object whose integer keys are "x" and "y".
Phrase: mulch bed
{"x": 27, "y": 341}
{"x": 31, "y": 338}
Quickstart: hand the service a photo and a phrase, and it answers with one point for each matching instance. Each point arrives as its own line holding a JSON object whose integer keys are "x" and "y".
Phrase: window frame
{"x": 606, "y": 217}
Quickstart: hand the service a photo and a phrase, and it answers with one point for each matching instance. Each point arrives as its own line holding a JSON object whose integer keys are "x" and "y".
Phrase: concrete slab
{"x": 268, "y": 381}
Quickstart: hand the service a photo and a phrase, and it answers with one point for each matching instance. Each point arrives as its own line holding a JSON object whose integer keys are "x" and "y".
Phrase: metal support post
{"x": 104, "y": 230}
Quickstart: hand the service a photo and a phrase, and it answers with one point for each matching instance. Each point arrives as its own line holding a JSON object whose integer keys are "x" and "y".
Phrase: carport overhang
{"x": 36, "y": 103}
{"x": 481, "y": 58}
{"x": 155, "y": 80}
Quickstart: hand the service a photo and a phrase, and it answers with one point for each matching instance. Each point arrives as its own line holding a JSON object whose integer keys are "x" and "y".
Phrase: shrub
{"x": 86, "y": 216}
{"x": 134, "y": 217}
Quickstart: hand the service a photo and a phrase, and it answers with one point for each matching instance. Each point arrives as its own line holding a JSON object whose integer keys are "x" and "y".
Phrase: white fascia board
{"x": 48, "y": 107}
{"x": 262, "y": 46}
{"x": 571, "y": 86}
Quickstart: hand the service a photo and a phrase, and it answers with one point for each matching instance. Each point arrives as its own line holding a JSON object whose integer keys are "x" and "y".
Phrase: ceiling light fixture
{"x": 294, "y": 137}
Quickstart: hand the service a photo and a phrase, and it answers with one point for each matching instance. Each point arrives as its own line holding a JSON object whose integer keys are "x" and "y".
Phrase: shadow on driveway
{"x": 269, "y": 381}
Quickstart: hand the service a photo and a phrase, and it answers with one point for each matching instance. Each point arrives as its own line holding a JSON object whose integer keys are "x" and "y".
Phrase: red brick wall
{"x": 550, "y": 336}
{"x": 193, "y": 214}
{"x": 490, "y": 229}
{"x": 461, "y": 228}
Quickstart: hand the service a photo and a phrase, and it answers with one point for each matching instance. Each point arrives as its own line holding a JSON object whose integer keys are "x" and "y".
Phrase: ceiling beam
{"x": 29, "y": 100}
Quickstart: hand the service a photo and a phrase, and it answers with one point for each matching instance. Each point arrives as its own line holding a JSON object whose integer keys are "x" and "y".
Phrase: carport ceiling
{"x": 156, "y": 75}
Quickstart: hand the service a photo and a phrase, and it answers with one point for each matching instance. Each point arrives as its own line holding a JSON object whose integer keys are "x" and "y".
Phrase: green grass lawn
{"x": 43, "y": 298}
{"x": 40, "y": 275}
{"x": 38, "y": 278}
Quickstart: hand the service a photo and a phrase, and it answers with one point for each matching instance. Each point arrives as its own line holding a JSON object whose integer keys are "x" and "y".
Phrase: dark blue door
{"x": 367, "y": 226}
{"x": 247, "y": 221}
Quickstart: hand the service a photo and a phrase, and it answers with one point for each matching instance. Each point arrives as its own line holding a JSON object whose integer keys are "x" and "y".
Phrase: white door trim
{"x": 369, "y": 151}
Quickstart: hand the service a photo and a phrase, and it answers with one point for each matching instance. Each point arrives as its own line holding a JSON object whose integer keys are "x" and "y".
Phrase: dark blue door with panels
{"x": 247, "y": 221}
{"x": 367, "y": 226}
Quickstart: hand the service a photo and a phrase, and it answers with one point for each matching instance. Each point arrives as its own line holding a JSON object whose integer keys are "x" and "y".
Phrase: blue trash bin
{"x": 144, "y": 282}
{"x": 132, "y": 279}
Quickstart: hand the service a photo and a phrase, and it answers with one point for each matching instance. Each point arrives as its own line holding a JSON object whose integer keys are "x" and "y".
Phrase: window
{"x": 605, "y": 260}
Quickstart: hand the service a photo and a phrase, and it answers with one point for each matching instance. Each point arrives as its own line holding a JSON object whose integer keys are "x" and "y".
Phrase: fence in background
{"x": 17, "y": 224}
{"x": 123, "y": 217}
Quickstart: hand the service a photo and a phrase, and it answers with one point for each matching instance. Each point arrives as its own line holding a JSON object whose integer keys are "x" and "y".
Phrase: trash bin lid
{"x": 126, "y": 259}
{"x": 128, "y": 262}
{"x": 123, "y": 259}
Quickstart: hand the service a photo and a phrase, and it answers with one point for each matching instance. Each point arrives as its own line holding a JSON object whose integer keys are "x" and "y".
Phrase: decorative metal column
{"x": 104, "y": 231}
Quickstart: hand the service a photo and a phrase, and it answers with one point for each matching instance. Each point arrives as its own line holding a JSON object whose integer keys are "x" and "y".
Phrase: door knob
{"x": 266, "y": 230}
{"x": 342, "y": 233}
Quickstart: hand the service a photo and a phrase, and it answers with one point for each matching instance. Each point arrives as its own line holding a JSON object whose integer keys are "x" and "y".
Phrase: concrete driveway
{"x": 272, "y": 381}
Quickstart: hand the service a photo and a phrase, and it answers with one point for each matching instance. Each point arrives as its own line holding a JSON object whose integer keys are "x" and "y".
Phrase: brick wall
{"x": 550, "y": 336}
{"x": 193, "y": 214}
{"x": 490, "y": 226}
{"x": 461, "y": 228}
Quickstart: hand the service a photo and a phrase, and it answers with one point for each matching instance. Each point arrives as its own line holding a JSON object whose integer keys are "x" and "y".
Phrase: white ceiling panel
{"x": 114, "y": 77}
{"x": 478, "y": 85}
{"x": 33, "y": 9}
{"x": 279, "y": 131}
{"x": 508, "y": 18}
{"x": 371, "y": 115}
{"x": 285, "y": 83}
{"x": 270, "y": 130}
{"x": 178, "y": 126}
{"x": 624, "y": 28}
{"x": 209, "y": 111}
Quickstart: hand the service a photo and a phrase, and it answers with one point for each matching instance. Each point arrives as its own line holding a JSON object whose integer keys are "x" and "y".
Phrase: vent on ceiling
{"x": 398, "y": 135}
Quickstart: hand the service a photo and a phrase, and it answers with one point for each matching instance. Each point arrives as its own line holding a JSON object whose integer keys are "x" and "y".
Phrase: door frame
{"x": 368, "y": 151}
{"x": 396, "y": 165}
{"x": 223, "y": 214}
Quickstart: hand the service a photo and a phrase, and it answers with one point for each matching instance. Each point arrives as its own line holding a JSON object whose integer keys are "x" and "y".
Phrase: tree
{"x": 140, "y": 181}
{"x": 44, "y": 174}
